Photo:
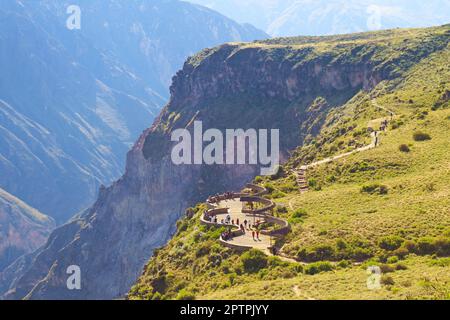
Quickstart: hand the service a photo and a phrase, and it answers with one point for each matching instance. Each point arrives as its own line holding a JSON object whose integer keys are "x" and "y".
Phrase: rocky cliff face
{"x": 22, "y": 229}
{"x": 72, "y": 102}
{"x": 260, "y": 85}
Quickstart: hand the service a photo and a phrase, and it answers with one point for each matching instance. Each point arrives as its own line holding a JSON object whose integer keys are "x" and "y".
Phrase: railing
{"x": 268, "y": 205}
{"x": 283, "y": 230}
{"x": 254, "y": 196}
{"x": 213, "y": 213}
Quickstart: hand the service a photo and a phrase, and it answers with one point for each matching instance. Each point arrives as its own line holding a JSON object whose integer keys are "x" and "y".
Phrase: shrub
{"x": 421, "y": 136}
{"x": 443, "y": 262}
{"x": 390, "y": 243}
{"x": 425, "y": 246}
{"x": 404, "y": 148}
{"x": 253, "y": 261}
{"x": 203, "y": 250}
{"x": 387, "y": 268}
{"x": 393, "y": 259}
{"x": 343, "y": 264}
{"x": 281, "y": 209}
{"x": 401, "y": 266}
{"x": 442, "y": 246}
{"x": 374, "y": 189}
{"x": 321, "y": 252}
{"x": 273, "y": 262}
{"x": 182, "y": 226}
{"x": 157, "y": 296}
{"x": 278, "y": 194}
{"x": 318, "y": 267}
{"x": 185, "y": 295}
{"x": 297, "y": 216}
{"x": 269, "y": 187}
{"x": 258, "y": 179}
{"x": 401, "y": 252}
{"x": 312, "y": 183}
{"x": 387, "y": 280}
{"x": 297, "y": 267}
{"x": 287, "y": 187}
{"x": 410, "y": 246}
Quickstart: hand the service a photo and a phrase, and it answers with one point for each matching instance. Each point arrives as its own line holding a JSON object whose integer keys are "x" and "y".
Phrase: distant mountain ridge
{"x": 283, "y": 18}
{"x": 73, "y": 102}
{"x": 22, "y": 229}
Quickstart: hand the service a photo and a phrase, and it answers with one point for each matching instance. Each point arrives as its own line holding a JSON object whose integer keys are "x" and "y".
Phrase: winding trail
{"x": 300, "y": 173}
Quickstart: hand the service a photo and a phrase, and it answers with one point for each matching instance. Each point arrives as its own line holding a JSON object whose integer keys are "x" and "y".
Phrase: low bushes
{"x": 298, "y": 216}
{"x": 390, "y": 243}
{"x": 421, "y": 136}
{"x": 318, "y": 267}
{"x": 423, "y": 246}
{"x": 375, "y": 188}
{"x": 387, "y": 280}
{"x": 404, "y": 148}
{"x": 185, "y": 295}
{"x": 253, "y": 261}
{"x": 354, "y": 250}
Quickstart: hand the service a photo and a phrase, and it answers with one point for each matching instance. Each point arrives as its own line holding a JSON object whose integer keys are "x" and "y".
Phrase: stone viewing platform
{"x": 247, "y": 217}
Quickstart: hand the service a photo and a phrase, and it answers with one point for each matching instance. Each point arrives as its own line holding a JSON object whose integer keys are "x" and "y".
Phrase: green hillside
{"x": 388, "y": 206}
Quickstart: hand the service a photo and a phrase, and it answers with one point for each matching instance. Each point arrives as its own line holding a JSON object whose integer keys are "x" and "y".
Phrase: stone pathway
{"x": 246, "y": 240}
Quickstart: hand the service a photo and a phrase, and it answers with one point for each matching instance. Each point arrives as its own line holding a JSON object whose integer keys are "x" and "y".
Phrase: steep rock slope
{"x": 72, "y": 102}
{"x": 22, "y": 229}
{"x": 260, "y": 85}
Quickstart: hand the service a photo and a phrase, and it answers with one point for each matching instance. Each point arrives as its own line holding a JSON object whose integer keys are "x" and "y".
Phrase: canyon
{"x": 287, "y": 84}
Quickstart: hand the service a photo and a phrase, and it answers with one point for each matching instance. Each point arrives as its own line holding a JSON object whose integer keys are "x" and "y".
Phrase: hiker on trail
{"x": 228, "y": 218}
{"x": 253, "y": 235}
{"x": 232, "y": 222}
{"x": 242, "y": 228}
{"x": 237, "y": 221}
{"x": 215, "y": 220}
{"x": 245, "y": 223}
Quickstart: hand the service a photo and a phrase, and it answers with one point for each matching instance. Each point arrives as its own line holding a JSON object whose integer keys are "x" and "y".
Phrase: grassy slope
{"x": 339, "y": 216}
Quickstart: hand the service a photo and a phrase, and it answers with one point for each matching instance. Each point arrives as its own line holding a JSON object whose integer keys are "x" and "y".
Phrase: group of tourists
{"x": 209, "y": 217}
{"x": 227, "y": 235}
{"x": 384, "y": 125}
{"x": 247, "y": 226}
{"x": 221, "y": 197}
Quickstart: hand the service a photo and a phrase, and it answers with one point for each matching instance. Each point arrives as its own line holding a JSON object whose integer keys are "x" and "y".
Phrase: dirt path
{"x": 375, "y": 142}
{"x": 298, "y": 293}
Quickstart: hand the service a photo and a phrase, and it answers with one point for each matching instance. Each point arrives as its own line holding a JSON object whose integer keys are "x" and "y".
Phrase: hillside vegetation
{"x": 387, "y": 207}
